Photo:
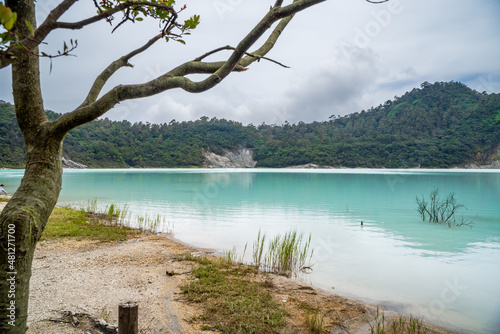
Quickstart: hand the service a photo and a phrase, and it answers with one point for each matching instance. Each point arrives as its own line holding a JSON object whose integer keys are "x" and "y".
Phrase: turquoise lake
{"x": 449, "y": 276}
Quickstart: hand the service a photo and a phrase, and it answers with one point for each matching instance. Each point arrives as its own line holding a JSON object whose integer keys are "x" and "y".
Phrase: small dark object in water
{"x": 361, "y": 223}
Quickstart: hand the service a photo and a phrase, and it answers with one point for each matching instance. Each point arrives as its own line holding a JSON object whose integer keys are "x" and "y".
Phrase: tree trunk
{"x": 25, "y": 216}
{"x": 21, "y": 225}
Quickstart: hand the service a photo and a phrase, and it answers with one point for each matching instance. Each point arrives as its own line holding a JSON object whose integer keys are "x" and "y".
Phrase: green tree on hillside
{"x": 411, "y": 131}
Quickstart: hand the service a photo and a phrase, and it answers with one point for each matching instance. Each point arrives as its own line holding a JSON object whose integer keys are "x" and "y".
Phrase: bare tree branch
{"x": 101, "y": 80}
{"x": 278, "y": 3}
{"x": 272, "y": 16}
{"x": 110, "y": 12}
{"x": 176, "y": 78}
{"x": 227, "y": 47}
{"x": 50, "y": 24}
{"x": 269, "y": 43}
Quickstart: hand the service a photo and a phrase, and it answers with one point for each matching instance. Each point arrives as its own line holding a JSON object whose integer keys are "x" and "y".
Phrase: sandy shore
{"x": 91, "y": 279}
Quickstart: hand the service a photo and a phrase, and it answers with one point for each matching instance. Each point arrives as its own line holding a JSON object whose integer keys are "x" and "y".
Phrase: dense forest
{"x": 437, "y": 125}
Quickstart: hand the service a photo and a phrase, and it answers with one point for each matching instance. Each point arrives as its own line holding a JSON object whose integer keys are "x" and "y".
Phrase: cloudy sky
{"x": 345, "y": 56}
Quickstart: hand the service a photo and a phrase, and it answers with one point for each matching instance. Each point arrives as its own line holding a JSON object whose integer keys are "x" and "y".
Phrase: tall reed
{"x": 152, "y": 223}
{"x": 116, "y": 215}
{"x": 400, "y": 325}
{"x": 286, "y": 254}
{"x": 258, "y": 249}
{"x": 92, "y": 206}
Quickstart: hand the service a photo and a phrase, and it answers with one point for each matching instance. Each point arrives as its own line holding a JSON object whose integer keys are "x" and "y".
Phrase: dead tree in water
{"x": 441, "y": 211}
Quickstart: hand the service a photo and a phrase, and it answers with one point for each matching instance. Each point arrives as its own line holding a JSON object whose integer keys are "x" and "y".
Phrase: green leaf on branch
{"x": 10, "y": 24}
{"x": 5, "y": 37}
{"x": 30, "y": 27}
{"x": 192, "y": 22}
{"x": 7, "y": 17}
{"x": 5, "y": 14}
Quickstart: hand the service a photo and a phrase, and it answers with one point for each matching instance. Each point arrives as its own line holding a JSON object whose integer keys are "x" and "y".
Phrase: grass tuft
{"x": 315, "y": 321}
{"x": 258, "y": 249}
{"x": 116, "y": 215}
{"x": 400, "y": 325}
{"x": 378, "y": 325}
{"x": 287, "y": 254}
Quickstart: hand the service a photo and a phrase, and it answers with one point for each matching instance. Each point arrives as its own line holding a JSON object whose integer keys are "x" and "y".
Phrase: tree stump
{"x": 128, "y": 318}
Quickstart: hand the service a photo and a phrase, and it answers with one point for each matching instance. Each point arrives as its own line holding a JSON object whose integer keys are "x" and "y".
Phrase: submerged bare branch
{"x": 441, "y": 211}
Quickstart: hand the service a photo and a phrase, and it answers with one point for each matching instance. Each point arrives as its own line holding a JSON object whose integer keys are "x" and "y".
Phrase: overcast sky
{"x": 345, "y": 56}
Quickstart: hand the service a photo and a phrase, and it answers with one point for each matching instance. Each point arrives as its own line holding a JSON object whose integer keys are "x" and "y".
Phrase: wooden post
{"x": 128, "y": 315}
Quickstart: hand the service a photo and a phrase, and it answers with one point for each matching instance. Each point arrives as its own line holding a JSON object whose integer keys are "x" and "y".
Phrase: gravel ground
{"x": 92, "y": 278}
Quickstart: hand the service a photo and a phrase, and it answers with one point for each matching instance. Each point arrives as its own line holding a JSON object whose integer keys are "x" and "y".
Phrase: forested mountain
{"x": 437, "y": 125}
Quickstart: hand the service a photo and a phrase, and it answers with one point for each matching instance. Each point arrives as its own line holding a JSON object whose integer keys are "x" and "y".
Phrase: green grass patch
{"x": 232, "y": 302}
{"x": 71, "y": 223}
{"x": 83, "y": 224}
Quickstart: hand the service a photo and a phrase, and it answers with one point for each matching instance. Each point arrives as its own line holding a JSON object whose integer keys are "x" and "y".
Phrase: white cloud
{"x": 168, "y": 106}
{"x": 424, "y": 40}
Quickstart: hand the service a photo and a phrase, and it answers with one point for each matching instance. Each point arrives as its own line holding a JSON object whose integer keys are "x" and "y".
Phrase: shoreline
{"x": 91, "y": 278}
{"x": 299, "y": 167}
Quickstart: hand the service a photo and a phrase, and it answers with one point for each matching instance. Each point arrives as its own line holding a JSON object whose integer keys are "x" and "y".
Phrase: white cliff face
{"x": 494, "y": 159}
{"x": 491, "y": 161}
{"x": 239, "y": 158}
{"x": 67, "y": 163}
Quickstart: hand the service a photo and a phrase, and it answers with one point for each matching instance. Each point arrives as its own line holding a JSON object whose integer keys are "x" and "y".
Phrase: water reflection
{"x": 394, "y": 258}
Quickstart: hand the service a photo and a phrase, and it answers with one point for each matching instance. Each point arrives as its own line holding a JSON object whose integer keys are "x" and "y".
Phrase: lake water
{"x": 450, "y": 277}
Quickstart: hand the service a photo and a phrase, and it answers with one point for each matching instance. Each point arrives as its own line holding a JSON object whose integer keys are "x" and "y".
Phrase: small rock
{"x": 101, "y": 322}
{"x": 111, "y": 328}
